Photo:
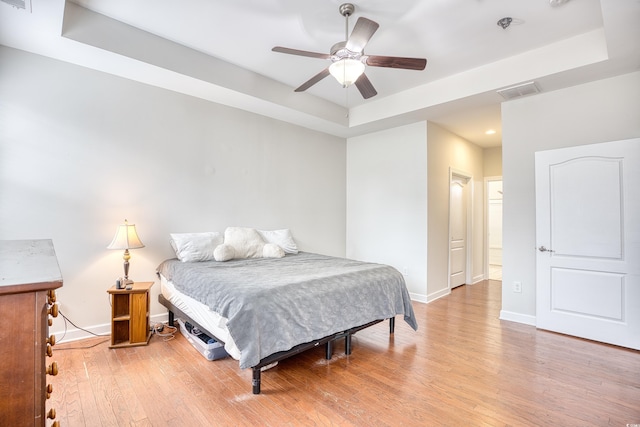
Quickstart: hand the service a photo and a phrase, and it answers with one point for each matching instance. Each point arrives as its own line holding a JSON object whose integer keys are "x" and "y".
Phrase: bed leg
{"x": 171, "y": 318}
{"x": 392, "y": 324}
{"x": 347, "y": 344}
{"x": 255, "y": 382}
{"x": 328, "y": 350}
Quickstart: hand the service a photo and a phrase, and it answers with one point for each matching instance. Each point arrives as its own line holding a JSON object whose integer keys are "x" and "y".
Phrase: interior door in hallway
{"x": 588, "y": 241}
{"x": 458, "y": 195}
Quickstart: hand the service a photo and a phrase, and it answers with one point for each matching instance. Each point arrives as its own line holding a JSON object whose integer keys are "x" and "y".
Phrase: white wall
{"x": 447, "y": 150}
{"x": 492, "y": 161}
{"x": 387, "y": 201}
{"x": 398, "y": 186}
{"x": 606, "y": 110}
{"x": 80, "y": 151}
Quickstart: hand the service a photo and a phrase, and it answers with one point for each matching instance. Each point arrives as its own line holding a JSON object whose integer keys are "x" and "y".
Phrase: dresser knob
{"x": 49, "y": 390}
{"x": 53, "y": 310}
{"x": 55, "y": 424}
{"x": 51, "y": 340}
{"x": 50, "y": 321}
{"x": 49, "y": 350}
{"x": 51, "y": 414}
{"x": 53, "y": 369}
{"x": 52, "y": 296}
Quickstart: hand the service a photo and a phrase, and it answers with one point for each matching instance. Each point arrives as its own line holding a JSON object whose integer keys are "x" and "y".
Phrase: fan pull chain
{"x": 346, "y": 89}
{"x": 344, "y": 69}
{"x": 346, "y": 102}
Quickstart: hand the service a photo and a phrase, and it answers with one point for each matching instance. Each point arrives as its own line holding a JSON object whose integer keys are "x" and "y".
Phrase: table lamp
{"x": 126, "y": 238}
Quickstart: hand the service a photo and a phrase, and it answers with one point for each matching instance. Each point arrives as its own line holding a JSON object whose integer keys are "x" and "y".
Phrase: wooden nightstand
{"x": 130, "y": 315}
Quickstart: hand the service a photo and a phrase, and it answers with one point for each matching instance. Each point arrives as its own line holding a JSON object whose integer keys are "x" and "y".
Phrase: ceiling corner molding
{"x": 240, "y": 88}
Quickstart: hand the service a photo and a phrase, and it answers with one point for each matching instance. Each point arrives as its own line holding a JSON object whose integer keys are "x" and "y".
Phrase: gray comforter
{"x": 274, "y": 304}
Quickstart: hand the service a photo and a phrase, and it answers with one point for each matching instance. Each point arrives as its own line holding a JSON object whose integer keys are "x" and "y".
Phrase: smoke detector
{"x": 505, "y": 22}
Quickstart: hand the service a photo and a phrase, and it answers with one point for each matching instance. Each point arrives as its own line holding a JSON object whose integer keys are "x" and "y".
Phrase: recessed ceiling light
{"x": 490, "y": 132}
{"x": 555, "y": 3}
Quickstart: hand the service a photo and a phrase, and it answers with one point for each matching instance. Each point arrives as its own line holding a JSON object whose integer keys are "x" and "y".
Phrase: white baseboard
{"x": 105, "y": 329}
{"x": 75, "y": 334}
{"x": 426, "y": 299}
{"x": 437, "y": 295}
{"x": 527, "y": 319}
{"x": 418, "y": 297}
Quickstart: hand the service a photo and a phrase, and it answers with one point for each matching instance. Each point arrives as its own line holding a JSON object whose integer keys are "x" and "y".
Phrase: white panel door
{"x": 494, "y": 222}
{"x": 458, "y": 231}
{"x": 588, "y": 241}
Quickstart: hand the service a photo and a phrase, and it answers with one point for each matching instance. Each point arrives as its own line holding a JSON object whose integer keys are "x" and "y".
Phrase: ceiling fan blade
{"x": 362, "y": 32}
{"x": 301, "y": 52}
{"x": 313, "y": 80}
{"x": 365, "y": 87}
{"x": 396, "y": 62}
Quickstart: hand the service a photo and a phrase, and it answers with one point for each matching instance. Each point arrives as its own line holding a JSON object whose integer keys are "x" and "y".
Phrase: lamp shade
{"x": 346, "y": 71}
{"x": 126, "y": 237}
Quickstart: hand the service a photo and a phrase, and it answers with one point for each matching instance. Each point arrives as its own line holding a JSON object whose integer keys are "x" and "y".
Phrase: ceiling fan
{"x": 348, "y": 59}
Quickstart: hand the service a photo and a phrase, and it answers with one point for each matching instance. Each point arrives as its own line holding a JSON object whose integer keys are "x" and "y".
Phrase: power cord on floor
{"x": 83, "y": 347}
{"x": 167, "y": 332}
{"x": 66, "y": 319}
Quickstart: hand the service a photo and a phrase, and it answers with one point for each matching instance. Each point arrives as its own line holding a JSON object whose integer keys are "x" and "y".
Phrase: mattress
{"x": 201, "y": 314}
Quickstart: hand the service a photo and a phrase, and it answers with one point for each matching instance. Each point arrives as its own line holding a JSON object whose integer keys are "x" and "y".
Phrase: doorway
{"x": 588, "y": 241}
{"x": 459, "y": 217}
{"x": 493, "y": 238}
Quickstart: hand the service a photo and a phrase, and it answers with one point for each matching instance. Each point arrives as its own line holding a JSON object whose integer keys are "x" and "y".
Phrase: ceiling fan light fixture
{"x": 346, "y": 71}
{"x": 348, "y": 60}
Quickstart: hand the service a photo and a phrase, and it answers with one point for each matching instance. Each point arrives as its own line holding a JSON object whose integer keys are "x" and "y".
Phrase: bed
{"x": 267, "y": 309}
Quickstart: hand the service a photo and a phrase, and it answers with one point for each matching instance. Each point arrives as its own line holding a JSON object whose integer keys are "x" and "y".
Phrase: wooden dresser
{"x": 29, "y": 275}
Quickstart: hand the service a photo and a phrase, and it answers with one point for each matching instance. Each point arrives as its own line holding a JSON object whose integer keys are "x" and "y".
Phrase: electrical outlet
{"x": 405, "y": 271}
{"x": 517, "y": 287}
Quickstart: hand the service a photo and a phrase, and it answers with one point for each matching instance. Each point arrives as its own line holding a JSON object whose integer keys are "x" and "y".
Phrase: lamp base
{"x": 127, "y": 282}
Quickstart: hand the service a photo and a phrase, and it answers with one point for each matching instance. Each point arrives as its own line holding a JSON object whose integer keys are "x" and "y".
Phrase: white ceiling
{"x": 221, "y": 51}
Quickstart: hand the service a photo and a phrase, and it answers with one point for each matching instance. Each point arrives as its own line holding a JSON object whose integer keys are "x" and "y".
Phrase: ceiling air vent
{"x": 519, "y": 90}
{"x": 20, "y": 4}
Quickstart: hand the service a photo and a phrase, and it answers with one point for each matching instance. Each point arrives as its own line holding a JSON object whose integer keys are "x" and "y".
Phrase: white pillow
{"x": 282, "y": 238}
{"x": 243, "y": 242}
{"x": 194, "y": 247}
{"x": 271, "y": 250}
{"x": 224, "y": 252}
{"x": 246, "y": 242}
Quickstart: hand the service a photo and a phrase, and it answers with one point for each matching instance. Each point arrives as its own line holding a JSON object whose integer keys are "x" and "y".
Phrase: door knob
{"x": 543, "y": 249}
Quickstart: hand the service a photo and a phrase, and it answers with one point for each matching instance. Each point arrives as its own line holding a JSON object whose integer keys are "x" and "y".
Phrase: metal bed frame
{"x": 281, "y": 355}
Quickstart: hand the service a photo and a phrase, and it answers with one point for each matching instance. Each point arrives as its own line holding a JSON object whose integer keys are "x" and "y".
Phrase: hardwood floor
{"x": 463, "y": 367}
